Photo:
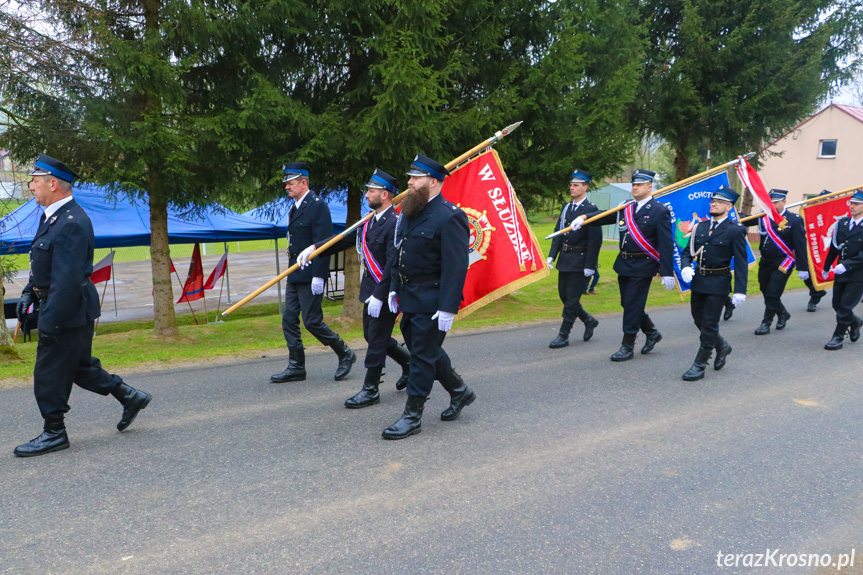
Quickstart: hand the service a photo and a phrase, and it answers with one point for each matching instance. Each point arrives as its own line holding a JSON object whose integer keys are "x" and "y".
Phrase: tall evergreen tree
{"x": 736, "y": 73}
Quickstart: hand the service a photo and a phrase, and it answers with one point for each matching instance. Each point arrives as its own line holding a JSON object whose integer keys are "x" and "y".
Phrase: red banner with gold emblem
{"x": 504, "y": 253}
{"x": 820, "y": 220}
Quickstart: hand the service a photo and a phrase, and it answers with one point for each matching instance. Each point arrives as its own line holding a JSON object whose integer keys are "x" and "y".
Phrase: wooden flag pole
{"x": 660, "y": 192}
{"x": 335, "y": 239}
{"x": 814, "y": 200}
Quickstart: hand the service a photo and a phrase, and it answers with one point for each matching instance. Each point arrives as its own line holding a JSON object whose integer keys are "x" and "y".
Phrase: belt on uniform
{"x": 576, "y": 249}
{"x": 419, "y": 279}
{"x": 41, "y": 293}
{"x": 714, "y": 271}
{"x": 635, "y": 255}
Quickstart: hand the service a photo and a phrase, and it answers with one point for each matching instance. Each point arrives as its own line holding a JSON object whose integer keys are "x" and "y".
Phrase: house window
{"x": 827, "y": 148}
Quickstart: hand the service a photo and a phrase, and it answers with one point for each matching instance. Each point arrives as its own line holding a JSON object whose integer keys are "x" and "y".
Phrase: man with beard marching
{"x": 577, "y": 255}
{"x": 61, "y": 261}
{"x": 706, "y": 265}
{"x": 374, "y": 242}
{"x": 432, "y": 240}
{"x": 781, "y": 251}
{"x": 646, "y": 249}
{"x": 846, "y": 249}
{"x": 308, "y": 221}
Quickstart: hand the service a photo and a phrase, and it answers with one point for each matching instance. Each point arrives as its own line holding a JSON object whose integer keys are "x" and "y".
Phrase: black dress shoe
{"x": 854, "y": 331}
{"x": 729, "y": 311}
{"x": 132, "y": 401}
{"x": 53, "y": 438}
{"x": 763, "y": 329}
{"x": 653, "y": 338}
{"x": 559, "y": 342}
{"x": 722, "y": 352}
{"x": 623, "y": 354}
{"x": 810, "y": 306}
{"x": 589, "y": 326}
{"x": 410, "y": 422}
{"x": 835, "y": 343}
{"x": 782, "y": 320}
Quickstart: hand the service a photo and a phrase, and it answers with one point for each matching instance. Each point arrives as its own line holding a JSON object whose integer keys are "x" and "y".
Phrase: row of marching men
{"x": 646, "y": 249}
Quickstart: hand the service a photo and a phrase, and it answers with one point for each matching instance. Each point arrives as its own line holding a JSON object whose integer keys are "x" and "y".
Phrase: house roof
{"x": 852, "y": 111}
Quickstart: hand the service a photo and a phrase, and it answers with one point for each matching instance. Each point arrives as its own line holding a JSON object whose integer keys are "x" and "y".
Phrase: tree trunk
{"x": 681, "y": 163}
{"x": 160, "y": 259}
{"x": 353, "y": 307}
{"x": 7, "y": 350}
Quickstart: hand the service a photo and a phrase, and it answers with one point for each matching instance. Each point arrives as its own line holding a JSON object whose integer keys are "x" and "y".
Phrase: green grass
{"x": 255, "y": 330}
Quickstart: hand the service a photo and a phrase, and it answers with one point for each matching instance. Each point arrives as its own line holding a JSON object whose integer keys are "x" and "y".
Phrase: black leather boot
{"x": 764, "y": 328}
{"x": 653, "y": 335}
{"x": 53, "y": 438}
{"x": 696, "y": 372}
{"x": 402, "y": 357}
{"x": 589, "y": 325}
{"x": 814, "y": 299}
{"x": 782, "y": 320}
{"x": 347, "y": 359}
{"x": 369, "y": 394}
{"x": 562, "y": 339}
{"x": 854, "y": 330}
{"x": 296, "y": 370}
{"x": 723, "y": 348}
{"x": 729, "y": 311}
{"x": 132, "y": 401}
{"x": 410, "y": 422}
{"x": 837, "y": 339}
{"x": 459, "y": 393}
{"x": 625, "y": 351}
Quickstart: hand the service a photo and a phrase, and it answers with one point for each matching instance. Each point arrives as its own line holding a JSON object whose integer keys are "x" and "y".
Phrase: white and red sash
{"x": 646, "y": 246}
{"x": 371, "y": 263}
{"x": 790, "y": 256}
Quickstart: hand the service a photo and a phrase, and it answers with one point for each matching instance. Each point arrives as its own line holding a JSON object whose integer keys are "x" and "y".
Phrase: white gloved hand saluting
{"x": 687, "y": 274}
{"x": 738, "y": 299}
{"x": 375, "y": 306}
{"x": 317, "y": 286}
{"x": 550, "y": 262}
{"x": 576, "y": 223}
{"x": 588, "y": 273}
{"x": 668, "y": 282}
{"x": 839, "y": 270}
{"x": 393, "y": 302}
{"x": 803, "y": 275}
{"x": 444, "y": 320}
{"x": 303, "y": 258}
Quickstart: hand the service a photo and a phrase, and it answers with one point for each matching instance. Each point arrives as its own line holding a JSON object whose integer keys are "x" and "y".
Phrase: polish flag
{"x": 218, "y": 272}
{"x": 102, "y": 270}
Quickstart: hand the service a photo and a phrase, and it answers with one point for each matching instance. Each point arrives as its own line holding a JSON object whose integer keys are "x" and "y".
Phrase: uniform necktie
{"x": 371, "y": 222}
{"x": 712, "y": 226}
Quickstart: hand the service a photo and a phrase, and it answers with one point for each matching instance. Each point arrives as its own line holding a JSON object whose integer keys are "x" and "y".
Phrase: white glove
{"x": 375, "y": 306}
{"x": 803, "y": 275}
{"x": 825, "y": 274}
{"x": 738, "y": 299}
{"x": 303, "y": 258}
{"x": 317, "y": 286}
{"x": 687, "y": 274}
{"x": 576, "y": 223}
{"x": 668, "y": 282}
{"x": 588, "y": 273}
{"x": 550, "y": 262}
{"x": 444, "y": 320}
{"x": 393, "y": 302}
{"x": 839, "y": 270}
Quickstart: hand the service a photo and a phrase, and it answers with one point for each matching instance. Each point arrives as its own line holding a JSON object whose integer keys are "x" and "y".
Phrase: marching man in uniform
{"x": 846, "y": 250}
{"x": 432, "y": 239}
{"x": 577, "y": 254}
{"x": 706, "y": 264}
{"x": 646, "y": 249}
{"x": 374, "y": 242}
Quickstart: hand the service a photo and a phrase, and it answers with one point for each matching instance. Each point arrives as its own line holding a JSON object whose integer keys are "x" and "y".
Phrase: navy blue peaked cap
{"x": 425, "y": 166}
{"x": 726, "y": 194}
{"x": 641, "y": 176}
{"x": 383, "y": 181}
{"x": 776, "y": 194}
{"x": 48, "y": 166}
{"x": 579, "y": 176}
{"x": 294, "y": 170}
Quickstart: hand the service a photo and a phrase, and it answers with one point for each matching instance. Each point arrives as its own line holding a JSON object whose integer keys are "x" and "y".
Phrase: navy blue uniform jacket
{"x": 308, "y": 225}
{"x": 850, "y": 254}
{"x": 587, "y": 241}
{"x": 434, "y": 243}
{"x": 654, "y": 221}
{"x": 61, "y": 261}
{"x": 728, "y": 240}
{"x": 794, "y": 236}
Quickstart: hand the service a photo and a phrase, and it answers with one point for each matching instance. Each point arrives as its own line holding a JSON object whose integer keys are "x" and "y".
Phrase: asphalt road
{"x": 565, "y": 464}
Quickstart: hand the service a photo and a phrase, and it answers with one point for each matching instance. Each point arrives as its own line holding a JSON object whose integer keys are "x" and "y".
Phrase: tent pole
{"x": 114, "y": 284}
{"x": 227, "y": 274}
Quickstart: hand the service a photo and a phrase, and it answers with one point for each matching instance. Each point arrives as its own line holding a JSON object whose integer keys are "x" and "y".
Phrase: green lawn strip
{"x": 256, "y": 329}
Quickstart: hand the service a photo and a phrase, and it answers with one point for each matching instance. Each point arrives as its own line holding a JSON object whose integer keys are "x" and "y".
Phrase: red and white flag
{"x": 504, "y": 254}
{"x": 194, "y": 287}
{"x": 102, "y": 270}
{"x": 752, "y": 181}
{"x": 217, "y": 272}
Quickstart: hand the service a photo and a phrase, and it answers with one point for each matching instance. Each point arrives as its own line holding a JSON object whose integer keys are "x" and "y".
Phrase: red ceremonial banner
{"x": 194, "y": 288}
{"x": 820, "y": 220}
{"x": 504, "y": 253}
